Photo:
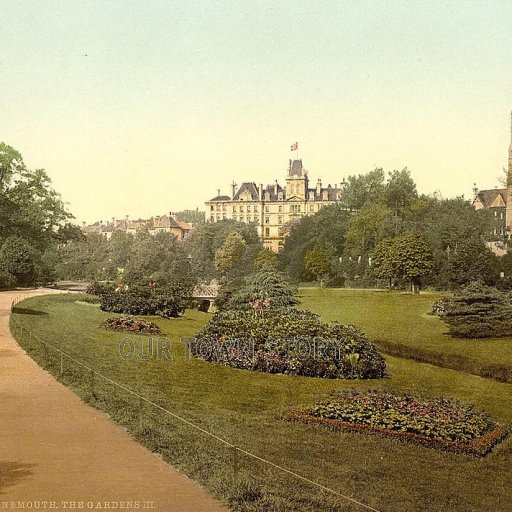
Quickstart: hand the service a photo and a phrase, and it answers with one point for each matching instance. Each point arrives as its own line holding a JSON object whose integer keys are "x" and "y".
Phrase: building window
{"x": 255, "y": 209}
{"x": 280, "y": 209}
{"x": 280, "y": 219}
{"x": 218, "y": 207}
{"x": 267, "y": 209}
{"x": 256, "y": 218}
{"x": 234, "y": 209}
{"x": 267, "y": 231}
{"x": 212, "y": 218}
{"x": 212, "y": 208}
{"x": 241, "y": 208}
{"x": 267, "y": 220}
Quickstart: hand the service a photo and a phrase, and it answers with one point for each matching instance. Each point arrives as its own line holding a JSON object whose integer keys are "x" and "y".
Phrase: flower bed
{"x": 440, "y": 423}
{"x": 130, "y": 324}
{"x": 289, "y": 341}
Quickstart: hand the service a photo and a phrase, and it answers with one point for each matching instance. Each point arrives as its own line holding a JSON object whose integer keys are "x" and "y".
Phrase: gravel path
{"x": 56, "y": 452}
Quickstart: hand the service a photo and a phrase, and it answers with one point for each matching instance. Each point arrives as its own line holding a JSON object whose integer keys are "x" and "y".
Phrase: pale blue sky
{"x": 144, "y": 107}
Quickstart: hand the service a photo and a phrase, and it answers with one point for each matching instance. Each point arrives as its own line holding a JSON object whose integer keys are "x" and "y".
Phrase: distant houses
{"x": 499, "y": 202}
{"x": 157, "y": 224}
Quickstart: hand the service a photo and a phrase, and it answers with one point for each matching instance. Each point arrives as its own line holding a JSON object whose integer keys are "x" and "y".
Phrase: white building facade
{"x": 273, "y": 209}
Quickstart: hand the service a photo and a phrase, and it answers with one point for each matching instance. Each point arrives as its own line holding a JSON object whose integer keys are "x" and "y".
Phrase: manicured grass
{"x": 246, "y": 408}
{"x": 401, "y": 326}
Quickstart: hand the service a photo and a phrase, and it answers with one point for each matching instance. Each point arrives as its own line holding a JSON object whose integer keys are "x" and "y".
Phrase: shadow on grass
{"x": 25, "y": 311}
{"x": 12, "y": 472}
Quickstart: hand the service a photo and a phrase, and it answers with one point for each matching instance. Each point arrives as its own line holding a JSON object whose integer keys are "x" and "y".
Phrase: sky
{"x": 143, "y": 107}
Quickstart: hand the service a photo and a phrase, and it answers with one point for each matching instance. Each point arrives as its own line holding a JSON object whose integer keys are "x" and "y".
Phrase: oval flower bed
{"x": 289, "y": 341}
{"x": 440, "y": 423}
{"x": 130, "y": 324}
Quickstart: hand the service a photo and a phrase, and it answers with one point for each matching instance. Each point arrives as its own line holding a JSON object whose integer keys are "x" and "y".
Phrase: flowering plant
{"x": 131, "y": 324}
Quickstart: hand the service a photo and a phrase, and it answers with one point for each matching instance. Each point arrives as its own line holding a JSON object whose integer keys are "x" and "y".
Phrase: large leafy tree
{"x": 32, "y": 218}
{"x": 363, "y": 189}
{"x": 317, "y": 261}
{"x": 367, "y": 227}
{"x": 29, "y": 206}
{"x": 208, "y": 238}
{"x": 261, "y": 290}
{"x": 472, "y": 261}
{"x": 230, "y": 253}
{"x": 17, "y": 259}
{"x": 412, "y": 258}
{"x": 408, "y": 257}
{"x": 326, "y": 229}
{"x": 400, "y": 193}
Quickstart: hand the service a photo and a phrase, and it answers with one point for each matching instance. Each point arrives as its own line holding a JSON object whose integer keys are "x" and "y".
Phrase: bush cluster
{"x": 478, "y": 312}
{"x": 288, "y": 341}
{"x": 130, "y": 324}
{"x": 99, "y": 288}
{"x": 434, "y": 422}
{"x": 168, "y": 302}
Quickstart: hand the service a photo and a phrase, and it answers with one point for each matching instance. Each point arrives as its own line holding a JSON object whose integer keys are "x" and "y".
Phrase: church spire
{"x": 509, "y": 174}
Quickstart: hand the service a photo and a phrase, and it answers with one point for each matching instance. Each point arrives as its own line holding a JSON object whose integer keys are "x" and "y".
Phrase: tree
{"x": 227, "y": 256}
{"x": 207, "y": 238}
{"x": 265, "y": 258}
{"x": 317, "y": 261}
{"x": 382, "y": 260}
{"x": 472, "y": 261}
{"x": 262, "y": 290}
{"x": 408, "y": 257}
{"x": 191, "y": 216}
{"x": 412, "y": 258}
{"x": 17, "y": 259}
{"x": 363, "y": 189}
{"x": 400, "y": 193}
{"x": 367, "y": 227}
{"x": 326, "y": 229}
{"x": 29, "y": 206}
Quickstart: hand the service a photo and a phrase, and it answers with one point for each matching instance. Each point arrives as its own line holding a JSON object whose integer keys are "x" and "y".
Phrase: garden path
{"x": 55, "y": 448}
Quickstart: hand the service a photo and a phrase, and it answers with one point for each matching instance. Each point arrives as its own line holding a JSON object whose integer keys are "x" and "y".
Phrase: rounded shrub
{"x": 288, "y": 341}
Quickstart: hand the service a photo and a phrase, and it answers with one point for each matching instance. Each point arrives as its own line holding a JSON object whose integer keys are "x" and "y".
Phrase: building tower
{"x": 508, "y": 213}
{"x": 297, "y": 180}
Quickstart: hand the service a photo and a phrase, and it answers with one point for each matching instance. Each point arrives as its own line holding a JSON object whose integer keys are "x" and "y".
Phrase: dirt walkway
{"x": 58, "y": 450}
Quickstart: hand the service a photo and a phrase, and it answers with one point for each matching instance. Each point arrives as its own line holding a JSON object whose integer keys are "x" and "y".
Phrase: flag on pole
{"x": 294, "y": 147}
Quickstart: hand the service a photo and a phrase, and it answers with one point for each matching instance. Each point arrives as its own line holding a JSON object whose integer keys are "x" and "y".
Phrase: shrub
{"x": 166, "y": 302}
{"x": 99, "y": 288}
{"x": 433, "y": 422}
{"x": 130, "y": 324}
{"x": 479, "y": 311}
{"x": 288, "y": 341}
{"x": 6, "y": 280}
{"x": 265, "y": 286}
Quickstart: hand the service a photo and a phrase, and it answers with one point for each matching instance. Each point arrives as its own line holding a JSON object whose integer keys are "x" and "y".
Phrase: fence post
{"x": 62, "y": 364}
{"x": 141, "y": 410}
{"x": 235, "y": 464}
{"x": 92, "y": 383}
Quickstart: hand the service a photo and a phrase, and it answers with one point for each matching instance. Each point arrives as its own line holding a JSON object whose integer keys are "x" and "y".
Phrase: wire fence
{"x": 65, "y": 364}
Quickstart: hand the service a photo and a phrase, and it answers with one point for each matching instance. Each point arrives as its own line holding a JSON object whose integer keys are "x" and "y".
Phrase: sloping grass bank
{"x": 246, "y": 408}
{"x": 401, "y": 326}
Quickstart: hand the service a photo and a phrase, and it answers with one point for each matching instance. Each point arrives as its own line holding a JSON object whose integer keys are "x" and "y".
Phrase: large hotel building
{"x": 274, "y": 209}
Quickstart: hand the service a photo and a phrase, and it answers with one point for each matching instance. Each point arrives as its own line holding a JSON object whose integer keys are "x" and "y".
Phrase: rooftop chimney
{"x": 318, "y": 186}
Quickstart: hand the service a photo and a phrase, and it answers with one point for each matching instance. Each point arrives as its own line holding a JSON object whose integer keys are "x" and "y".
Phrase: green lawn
{"x": 245, "y": 408}
{"x": 401, "y": 325}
